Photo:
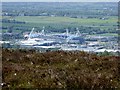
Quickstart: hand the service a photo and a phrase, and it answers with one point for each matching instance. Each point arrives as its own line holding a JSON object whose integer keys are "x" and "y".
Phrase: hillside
{"x": 59, "y": 69}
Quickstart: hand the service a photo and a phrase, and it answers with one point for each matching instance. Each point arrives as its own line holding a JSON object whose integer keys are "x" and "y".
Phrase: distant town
{"x": 65, "y": 41}
{"x": 60, "y": 27}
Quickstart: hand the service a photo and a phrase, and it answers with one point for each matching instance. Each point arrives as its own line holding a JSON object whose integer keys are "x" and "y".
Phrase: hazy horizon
{"x": 60, "y": 1}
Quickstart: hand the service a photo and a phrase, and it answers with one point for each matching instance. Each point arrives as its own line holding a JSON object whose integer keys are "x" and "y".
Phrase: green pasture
{"x": 46, "y": 19}
{"x": 106, "y": 34}
{"x": 62, "y": 22}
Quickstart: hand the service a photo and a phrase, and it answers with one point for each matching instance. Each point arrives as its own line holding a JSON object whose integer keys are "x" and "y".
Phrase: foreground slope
{"x": 59, "y": 69}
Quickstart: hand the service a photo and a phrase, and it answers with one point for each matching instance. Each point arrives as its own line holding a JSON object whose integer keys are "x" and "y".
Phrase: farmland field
{"x": 62, "y": 22}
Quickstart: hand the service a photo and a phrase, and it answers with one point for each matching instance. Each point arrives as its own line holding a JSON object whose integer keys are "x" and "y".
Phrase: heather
{"x": 59, "y": 69}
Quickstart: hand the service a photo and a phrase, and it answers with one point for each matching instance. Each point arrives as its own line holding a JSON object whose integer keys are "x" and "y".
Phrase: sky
{"x": 60, "y": 0}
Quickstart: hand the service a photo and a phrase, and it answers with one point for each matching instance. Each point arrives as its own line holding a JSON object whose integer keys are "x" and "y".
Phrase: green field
{"x": 65, "y": 20}
{"x": 58, "y": 23}
{"x": 46, "y": 19}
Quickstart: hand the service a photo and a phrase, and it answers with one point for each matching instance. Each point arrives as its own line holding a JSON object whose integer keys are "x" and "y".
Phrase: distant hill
{"x": 60, "y": 8}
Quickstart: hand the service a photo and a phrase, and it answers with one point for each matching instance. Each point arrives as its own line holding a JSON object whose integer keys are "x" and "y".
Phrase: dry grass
{"x": 59, "y": 69}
